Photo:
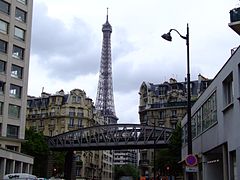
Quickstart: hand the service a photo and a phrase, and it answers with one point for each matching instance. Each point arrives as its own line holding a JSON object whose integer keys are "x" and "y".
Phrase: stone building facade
{"x": 61, "y": 112}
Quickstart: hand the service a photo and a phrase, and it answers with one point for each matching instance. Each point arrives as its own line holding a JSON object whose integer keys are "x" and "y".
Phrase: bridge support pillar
{"x": 70, "y": 166}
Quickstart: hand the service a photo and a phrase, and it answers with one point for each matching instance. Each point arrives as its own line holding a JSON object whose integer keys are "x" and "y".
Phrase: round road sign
{"x": 191, "y": 160}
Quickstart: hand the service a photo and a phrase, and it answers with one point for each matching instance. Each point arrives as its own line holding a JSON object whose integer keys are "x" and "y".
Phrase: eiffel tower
{"x": 104, "y": 100}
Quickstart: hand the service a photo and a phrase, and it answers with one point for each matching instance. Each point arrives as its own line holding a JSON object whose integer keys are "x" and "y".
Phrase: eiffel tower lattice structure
{"x": 104, "y": 99}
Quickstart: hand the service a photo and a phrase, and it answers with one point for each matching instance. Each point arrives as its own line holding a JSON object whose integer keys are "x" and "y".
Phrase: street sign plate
{"x": 191, "y": 169}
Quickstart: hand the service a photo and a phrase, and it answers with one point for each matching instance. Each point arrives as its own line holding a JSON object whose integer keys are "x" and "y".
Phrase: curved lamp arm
{"x": 184, "y": 37}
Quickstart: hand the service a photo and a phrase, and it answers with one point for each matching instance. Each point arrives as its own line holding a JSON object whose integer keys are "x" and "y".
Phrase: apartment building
{"x": 127, "y": 156}
{"x": 165, "y": 105}
{"x": 61, "y": 112}
{"x": 15, "y": 37}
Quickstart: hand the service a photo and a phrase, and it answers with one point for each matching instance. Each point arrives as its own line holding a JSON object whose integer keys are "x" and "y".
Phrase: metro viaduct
{"x": 108, "y": 137}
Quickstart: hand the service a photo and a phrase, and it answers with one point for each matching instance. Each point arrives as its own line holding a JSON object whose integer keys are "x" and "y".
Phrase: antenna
{"x": 107, "y": 13}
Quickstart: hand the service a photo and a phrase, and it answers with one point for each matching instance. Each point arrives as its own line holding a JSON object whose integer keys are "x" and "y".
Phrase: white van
{"x": 20, "y": 176}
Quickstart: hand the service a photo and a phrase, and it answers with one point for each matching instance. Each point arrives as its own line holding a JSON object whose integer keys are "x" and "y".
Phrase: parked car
{"x": 20, "y": 176}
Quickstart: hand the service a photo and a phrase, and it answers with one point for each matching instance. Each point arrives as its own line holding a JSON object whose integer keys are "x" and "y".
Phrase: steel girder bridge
{"x": 113, "y": 136}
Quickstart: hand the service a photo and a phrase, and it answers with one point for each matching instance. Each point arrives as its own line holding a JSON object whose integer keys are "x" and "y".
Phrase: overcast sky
{"x": 67, "y": 42}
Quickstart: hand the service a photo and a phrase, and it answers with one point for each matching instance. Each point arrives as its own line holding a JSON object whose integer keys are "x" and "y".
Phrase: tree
{"x": 168, "y": 159}
{"x": 36, "y": 146}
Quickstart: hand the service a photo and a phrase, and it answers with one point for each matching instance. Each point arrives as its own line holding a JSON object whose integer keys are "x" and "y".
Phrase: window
{"x": 14, "y": 111}
{"x": 19, "y": 33}
{"x": 2, "y": 67}
{"x": 4, "y": 7}
{"x": 194, "y": 129}
{"x": 205, "y": 116}
{"x": 79, "y": 122}
{"x": 13, "y": 148}
{"x": 20, "y": 15}
{"x": 2, "y": 86}
{"x": 18, "y": 52}
{"x": 41, "y": 124}
{"x": 3, "y": 27}
{"x": 52, "y": 122}
{"x": 199, "y": 121}
{"x": 22, "y": 1}
{"x": 3, "y": 46}
{"x": 74, "y": 99}
{"x": 52, "y": 113}
{"x": 161, "y": 114}
{"x": 1, "y": 108}
{"x": 228, "y": 90}
{"x": 12, "y": 131}
{"x": 71, "y": 122}
{"x": 80, "y": 114}
{"x": 72, "y": 112}
{"x": 15, "y": 91}
{"x": 174, "y": 113}
{"x": 16, "y": 71}
{"x": 162, "y": 90}
{"x": 78, "y": 99}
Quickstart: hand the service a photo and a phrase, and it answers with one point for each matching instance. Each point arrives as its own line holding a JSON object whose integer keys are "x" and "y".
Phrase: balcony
{"x": 144, "y": 162}
{"x": 41, "y": 127}
{"x": 72, "y": 127}
{"x": 235, "y": 20}
{"x": 79, "y": 163}
{"x": 51, "y": 126}
{"x": 165, "y": 105}
{"x": 174, "y": 119}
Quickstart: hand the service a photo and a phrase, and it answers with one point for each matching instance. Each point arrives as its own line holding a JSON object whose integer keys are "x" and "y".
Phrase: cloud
{"x": 63, "y": 49}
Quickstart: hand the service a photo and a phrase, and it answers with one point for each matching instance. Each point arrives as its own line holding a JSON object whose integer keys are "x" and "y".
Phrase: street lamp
{"x": 168, "y": 37}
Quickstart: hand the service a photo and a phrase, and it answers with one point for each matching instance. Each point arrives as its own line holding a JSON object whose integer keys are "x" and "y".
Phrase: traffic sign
{"x": 191, "y": 160}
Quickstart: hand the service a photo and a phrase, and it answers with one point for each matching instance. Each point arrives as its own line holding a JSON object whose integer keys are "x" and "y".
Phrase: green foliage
{"x": 170, "y": 156}
{"x": 125, "y": 170}
{"x": 59, "y": 160}
{"x": 36, "y": 146}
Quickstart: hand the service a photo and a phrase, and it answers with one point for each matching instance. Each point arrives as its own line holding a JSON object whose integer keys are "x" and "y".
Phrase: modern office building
{"x": 15, "y": 37}
{"x": 164, "y": 105}
{"x": 58, "y": 113}
{"x": 215, "y": 121}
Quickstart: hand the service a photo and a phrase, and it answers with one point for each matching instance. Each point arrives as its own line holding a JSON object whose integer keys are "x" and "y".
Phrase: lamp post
{"x": 168, "y": 37}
